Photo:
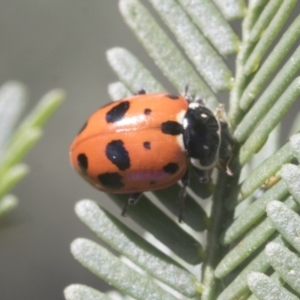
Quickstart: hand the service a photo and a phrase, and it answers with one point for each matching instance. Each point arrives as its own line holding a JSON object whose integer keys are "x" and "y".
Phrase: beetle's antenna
{"x": 186, "y": 90}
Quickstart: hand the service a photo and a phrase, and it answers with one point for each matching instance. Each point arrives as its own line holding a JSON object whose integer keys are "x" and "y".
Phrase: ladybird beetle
{"x": 143, "y": 142}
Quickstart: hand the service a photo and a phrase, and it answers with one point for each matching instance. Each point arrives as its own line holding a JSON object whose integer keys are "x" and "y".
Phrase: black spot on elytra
{"x": 172, "y": 128}
{"x": 83, "y": 127}
{"x": 147, "y": 111}
{"x": 117, "y": 112}
{"x": 117, "y": 154}
{"x": 173, "y": 97}
{"x": 111, "y": 180}
{"x": 171, "y": 168}
{"x": 152, "y": 182}
{"x": 82, "y": 162}
{"x": 147, "y": 145}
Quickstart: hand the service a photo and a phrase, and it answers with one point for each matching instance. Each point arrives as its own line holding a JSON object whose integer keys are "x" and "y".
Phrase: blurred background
{"x": 46, "y": 45}
{"x": 56, "y": 44}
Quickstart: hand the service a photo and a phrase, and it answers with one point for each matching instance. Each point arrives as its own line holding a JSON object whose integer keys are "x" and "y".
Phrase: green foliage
{"x": 15, "y": 143}
{"x": 243, "y": 244}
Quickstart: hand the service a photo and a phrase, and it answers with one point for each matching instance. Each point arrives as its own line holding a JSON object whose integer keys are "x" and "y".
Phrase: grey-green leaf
{"x": 269, "y": 36}
{"x": 117, "y": 91}
{"x": 269, "y": 122}
{"x": 295, "y": 145}
{"x": 279, "y": 52}
{"x": 211, "y": 22}
{"x": 205, "y": 59}
{"x": 254, "y": 212}
{"x": 83, "y": 292}
{"x": 239, "y": 285}
{"x": 271, "y": 94}
{"x": 286, "y": 221}
{"x": 267, "y": 169}
{"x": 254, "y": 11}
{"x": 8, "y": 203}
{"x": 286, "y": 263}
{"x": 138, "y": 78}
{"x": 263, "y": 21}
{"x": 291, "y": 176}
{"x": 156, "y": 222}
{"x": 110, "y": 268}
{"x": 264, "y": 288}
{"x": 29, "y": 131}
{"x": 249, "y": 244}
{"x": 42, "y": 111}
{"x": 164, "y": 52}
{"x": 132, "y": 246}
{"x": 13, "y": 96}
{"x": 232, "y": 9}
{"x": 18, "y": 148}
{"x": 12, "y": 176}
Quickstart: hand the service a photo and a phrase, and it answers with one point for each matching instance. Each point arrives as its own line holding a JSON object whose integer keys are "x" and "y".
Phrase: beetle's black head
{"x": 201, "y": 136}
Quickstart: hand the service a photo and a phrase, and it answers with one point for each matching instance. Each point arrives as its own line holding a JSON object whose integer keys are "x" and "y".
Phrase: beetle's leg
{"x": 186, "y": 91}
{"x": 203, "y": 175}
{"x": 182, "y": 194}
{"x": 132, "y": 200}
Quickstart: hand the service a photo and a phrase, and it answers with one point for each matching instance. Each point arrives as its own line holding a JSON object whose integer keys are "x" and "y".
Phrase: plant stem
{"x": 214, "y": 248}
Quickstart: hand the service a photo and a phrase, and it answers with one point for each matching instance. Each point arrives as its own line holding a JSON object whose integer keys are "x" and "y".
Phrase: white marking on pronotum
{"x": 185, "y": 123}
{"x": 196, "y": 163}
{"x": 193, "y": 105}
